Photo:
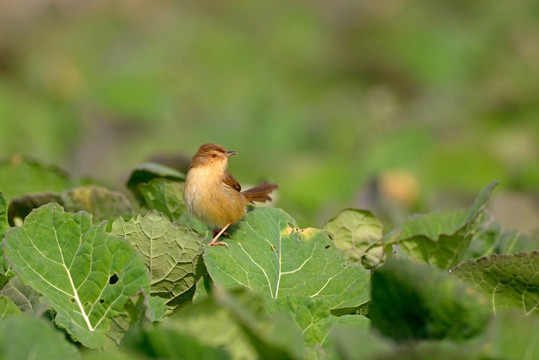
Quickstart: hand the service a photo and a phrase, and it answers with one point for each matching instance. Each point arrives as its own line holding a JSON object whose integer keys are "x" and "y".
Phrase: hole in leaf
{"x": 290, "y": 224}
{"x": 327, "y": 246}
{"x": 113, "y": 279}
{"x": 86, "y": 304}
{"x": 72, "y": 300}
{"x": 101, "y": 301}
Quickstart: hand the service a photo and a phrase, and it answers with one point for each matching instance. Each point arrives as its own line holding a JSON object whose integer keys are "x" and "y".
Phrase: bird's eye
{"x": 213, "y": 155}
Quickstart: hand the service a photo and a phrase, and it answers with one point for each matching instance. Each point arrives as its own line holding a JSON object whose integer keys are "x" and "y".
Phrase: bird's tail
{"x": 260, "y": 192}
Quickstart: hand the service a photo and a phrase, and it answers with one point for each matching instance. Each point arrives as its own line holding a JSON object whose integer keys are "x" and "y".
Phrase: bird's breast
{"x": 213, "y": 202}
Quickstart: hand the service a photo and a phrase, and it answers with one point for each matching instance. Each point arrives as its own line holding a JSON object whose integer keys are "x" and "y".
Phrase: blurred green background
{"x": 396, "y": 106}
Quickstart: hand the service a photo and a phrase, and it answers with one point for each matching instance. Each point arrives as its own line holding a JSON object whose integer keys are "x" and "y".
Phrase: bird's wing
{"x": 229, "y": 180}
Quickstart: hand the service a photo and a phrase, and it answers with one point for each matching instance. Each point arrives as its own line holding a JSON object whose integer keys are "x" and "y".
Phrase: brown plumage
{"x": 213, "y": 194}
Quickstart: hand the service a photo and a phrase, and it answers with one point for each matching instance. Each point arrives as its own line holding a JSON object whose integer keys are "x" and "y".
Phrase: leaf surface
{"x": 354, "y": 232}
{"x": 508, "y": 280}
{"x": 26, "y": 298}
{"x": 270, "y": 255}
{"x": 417, "y": 301}
{"x": 84, "y": 273}
{"x": 8, "y": 307}
{"x": 20, "y": 176}
{"x": 25, "y": 337}
{"x": 164, "y": 195}
{"x": 171, "y": 252}
{"x": 441, "y": 238}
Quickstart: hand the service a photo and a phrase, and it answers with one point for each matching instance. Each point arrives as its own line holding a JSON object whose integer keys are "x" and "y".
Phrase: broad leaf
{"x": 4, "y": 227}
{"x": 171, "y": 252}
{"x": 84, "y": 273}
{"x": 270, "y": 255}
{"x": 149, "y": 171}
{"x": 140, "y": 310}
{"x": 25, "y": 337}
{"x": 103, "y": 203}
{"x": 20, "y": 176}
{"x": 26, "y": 298}
{"x": 411, "y": 301}
{"x": 441, "y": 239}
{"x": 315, "y": 320}
{"x": 494, "y": 240}
{"x": 8, "y": 307}
{"x": 508, "y": 280}
{"x": 512, "y": 335}
{"x": 165, "y": 196}
{"x": 354, "y": 232}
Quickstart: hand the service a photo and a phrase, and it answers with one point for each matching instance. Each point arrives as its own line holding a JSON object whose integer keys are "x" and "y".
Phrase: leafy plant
{"x": 142, "y": 284}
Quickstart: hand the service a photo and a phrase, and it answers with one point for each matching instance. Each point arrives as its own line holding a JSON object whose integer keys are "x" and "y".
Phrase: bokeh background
{"x": 398, "y": 106}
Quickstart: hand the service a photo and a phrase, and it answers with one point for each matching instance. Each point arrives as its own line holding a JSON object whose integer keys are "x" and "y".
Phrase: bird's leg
{"x": 213, "y": 242}
{"x": 217, "y": 231}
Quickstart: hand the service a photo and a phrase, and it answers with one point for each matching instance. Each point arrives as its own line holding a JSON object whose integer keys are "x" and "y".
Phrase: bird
{"x": 213, "y": 195}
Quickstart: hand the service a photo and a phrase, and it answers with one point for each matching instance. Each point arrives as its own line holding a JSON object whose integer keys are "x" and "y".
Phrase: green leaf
{"x": 493, "y": 240}
{"x": 164, "y": 343}
{"x": 148, "y": 171}
{"x": 165, "y": 196}
{"x": 139, "y": 310}
{"x": 358, "y": 344}
{"x": 171, "y": 252}
{"x": 513, "y": 336}
{"x": 25, "y": 337}
{"x": 84, "y": 273}
{"x": 8, "y": 307}
{"x": 103, "y": 203}
{"x": 508, "y": 280}
{"x": 411, "y": 301}
{"x": 24, "y": 297}
{"x": 315, "y": 319}
{"x": 441, "y": 239}
{"x": 270, "y": 255}
{"x": 4, "y": 227}
{"x": 355, "y": 232}
{"x": 273, "y": 336}
{"x": 21, "y": 176}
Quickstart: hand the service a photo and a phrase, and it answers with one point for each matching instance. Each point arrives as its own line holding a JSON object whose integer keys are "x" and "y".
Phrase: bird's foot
{"x": 214, "y": 243}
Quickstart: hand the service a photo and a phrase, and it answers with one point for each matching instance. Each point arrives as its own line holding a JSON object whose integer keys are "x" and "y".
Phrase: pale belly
{"x": 217, "y": 207}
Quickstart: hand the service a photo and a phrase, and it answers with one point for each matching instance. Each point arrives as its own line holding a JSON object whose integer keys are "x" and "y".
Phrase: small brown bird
{"x": 213, "y": 195}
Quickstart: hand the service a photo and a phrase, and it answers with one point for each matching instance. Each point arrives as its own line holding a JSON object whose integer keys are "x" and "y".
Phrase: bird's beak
{"x": 229, "y": 153}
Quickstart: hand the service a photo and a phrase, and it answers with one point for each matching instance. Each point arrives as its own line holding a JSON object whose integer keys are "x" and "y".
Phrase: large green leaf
{"x": 103, "y": 203}
{"x": 8, "y": 307}
{"x": 513, "y": 336}
{"x": 25, "y": 337}
{"x": 508, "y": 280}
{"x": 235, "y": 322}
{"x": 164, "y": 195}
{"x": 4, "y": 227}
{"x": 84, "y": 273}
{"x": 440, "y": 239}
{"x": 270, "y": 255}
{"x": 140, "y": 310}
{"x": 355, "y": 232}
{"x": 417, "y": 301}
{"x": 21, "y": 176}
{"x": 316, "y": 321}
{"x": 25, "y": 297}
{"x": 146, "y": 172}
{"x": 171, "y": 252}
{"x": 494, "y": 240}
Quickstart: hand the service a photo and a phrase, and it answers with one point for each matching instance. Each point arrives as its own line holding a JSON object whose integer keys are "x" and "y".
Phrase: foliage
{"x": 144, "y": 285}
